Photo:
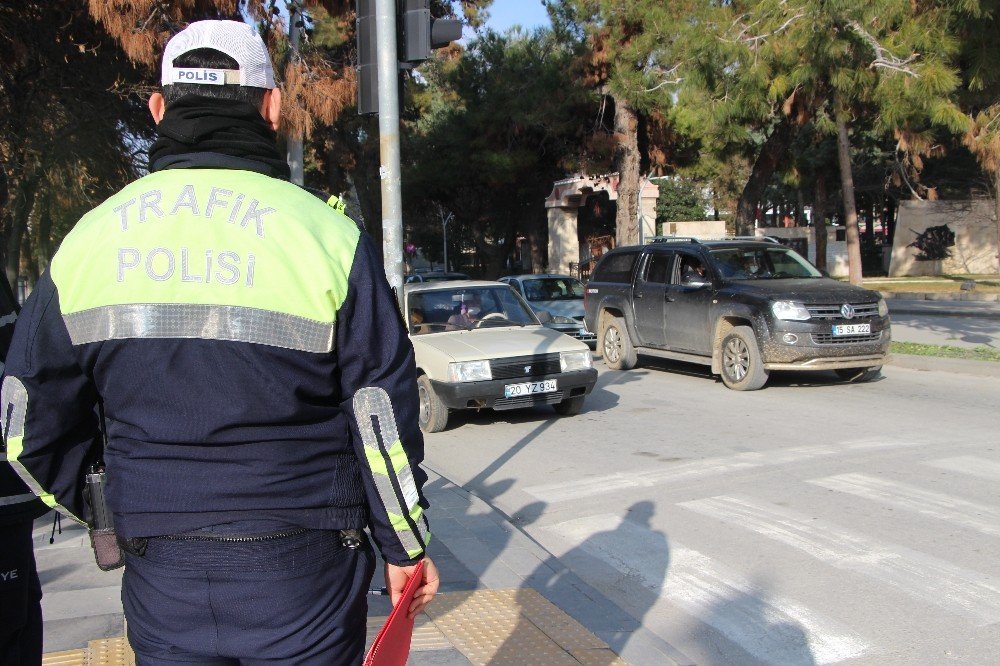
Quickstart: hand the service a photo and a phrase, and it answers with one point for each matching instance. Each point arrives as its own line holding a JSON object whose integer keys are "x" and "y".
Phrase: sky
{"x": 528, "y": 13}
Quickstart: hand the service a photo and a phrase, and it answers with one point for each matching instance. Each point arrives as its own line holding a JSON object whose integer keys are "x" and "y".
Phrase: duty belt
{"x": 352, "y": 539}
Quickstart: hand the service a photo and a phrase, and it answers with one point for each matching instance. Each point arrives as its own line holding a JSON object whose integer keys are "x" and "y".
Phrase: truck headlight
{"x": 469, "y": 371}
{"x": 883, "y": 307}
{"x": 575, "y": 360}
{"x": 558, "y": 319}
{"x": 789, "y": 310}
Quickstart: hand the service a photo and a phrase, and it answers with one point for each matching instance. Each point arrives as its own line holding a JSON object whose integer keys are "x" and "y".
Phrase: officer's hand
{"x": 397, "y": 577}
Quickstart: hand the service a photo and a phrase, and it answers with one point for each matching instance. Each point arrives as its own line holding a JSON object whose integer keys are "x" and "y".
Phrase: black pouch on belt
{"x": 103, "y": 540}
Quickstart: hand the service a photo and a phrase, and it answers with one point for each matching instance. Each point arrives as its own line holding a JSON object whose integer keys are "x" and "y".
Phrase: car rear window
{"x": 616, "y": 267}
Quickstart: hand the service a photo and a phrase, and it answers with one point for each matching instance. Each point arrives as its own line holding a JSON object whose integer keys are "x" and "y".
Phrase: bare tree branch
{"x": 884, "y": 59}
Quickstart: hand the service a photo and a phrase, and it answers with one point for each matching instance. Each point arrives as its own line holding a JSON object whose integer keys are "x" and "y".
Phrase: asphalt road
{"x": 811, "y": 522}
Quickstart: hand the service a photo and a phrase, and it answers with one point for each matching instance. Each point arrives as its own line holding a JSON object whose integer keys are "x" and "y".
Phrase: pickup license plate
{"x": 852, "y": 329}
{"x": 529, "y": 388}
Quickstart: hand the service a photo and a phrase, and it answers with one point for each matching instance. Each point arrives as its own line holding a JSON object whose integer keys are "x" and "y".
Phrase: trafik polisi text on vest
{"x": 163, "y": 264}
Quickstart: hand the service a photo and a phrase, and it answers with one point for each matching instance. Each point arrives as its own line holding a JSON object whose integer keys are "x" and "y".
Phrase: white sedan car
{"x": 478, "y": 344}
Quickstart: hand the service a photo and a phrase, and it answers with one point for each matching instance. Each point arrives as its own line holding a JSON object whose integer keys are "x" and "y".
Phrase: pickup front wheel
{"x": 742, "y": 365}
{"x": 619, "y": 354}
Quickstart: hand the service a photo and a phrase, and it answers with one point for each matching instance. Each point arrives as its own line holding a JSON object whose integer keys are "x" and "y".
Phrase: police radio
{"x": 103, "y": 539}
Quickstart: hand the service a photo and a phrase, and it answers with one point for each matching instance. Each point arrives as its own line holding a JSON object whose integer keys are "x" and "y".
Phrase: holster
{"x": 106, "y": 549}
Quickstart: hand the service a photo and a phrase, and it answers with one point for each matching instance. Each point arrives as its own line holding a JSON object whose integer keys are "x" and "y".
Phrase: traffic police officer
{"x": 20, "y": 592}
{"x": 257, "y": 385}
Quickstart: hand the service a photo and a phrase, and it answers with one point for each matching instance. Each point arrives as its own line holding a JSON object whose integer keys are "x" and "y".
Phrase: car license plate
{"x": 852, "y": 329}
{"x": 529, "y": 388}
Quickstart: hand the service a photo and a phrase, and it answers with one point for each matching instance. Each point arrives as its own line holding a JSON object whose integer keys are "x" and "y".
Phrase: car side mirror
{"x": 697, "y": 284}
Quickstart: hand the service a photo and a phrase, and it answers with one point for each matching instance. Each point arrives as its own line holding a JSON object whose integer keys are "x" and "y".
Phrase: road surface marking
{"x": 573, "y": 490}
{"x": 772, "y": 628}
{"x": 971, "y": 465}
{"x": 957, "y": 511}
{"x": 953, "y": 588}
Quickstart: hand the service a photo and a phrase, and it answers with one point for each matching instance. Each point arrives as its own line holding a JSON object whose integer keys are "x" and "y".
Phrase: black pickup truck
{"x": 743, "y": 307}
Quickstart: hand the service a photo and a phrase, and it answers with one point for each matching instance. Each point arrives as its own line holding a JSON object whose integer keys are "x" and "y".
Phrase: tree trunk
{"x": 43, "y": 246}
{"x": 819, "y": 221}
{"x": 537, "y": 248}
{"x": 775, "y": 149}
{"x": 847, "y": 189}
{"x": 22, "y": 200}
{"x": 996, "y": 211}
{"x": 627, "y": 164}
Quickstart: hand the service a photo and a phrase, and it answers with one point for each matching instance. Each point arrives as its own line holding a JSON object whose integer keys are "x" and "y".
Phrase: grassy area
{"x": 985, "y": 284}
{"x": 946, "y": 351}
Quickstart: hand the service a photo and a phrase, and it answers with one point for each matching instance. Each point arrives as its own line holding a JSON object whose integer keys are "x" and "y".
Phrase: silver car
{"x": 557, "y": 300}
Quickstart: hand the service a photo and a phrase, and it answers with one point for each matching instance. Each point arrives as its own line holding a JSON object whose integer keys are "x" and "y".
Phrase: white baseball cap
{"x": 237, "y": 40}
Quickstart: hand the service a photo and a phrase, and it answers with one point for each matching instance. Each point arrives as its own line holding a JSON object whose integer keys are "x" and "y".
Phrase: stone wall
{"x": 564, "y": 241}
{"x": 975, "y": 228}
{"x": 702, "y": 229}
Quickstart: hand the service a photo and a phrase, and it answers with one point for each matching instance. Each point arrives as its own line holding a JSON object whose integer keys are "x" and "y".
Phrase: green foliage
{"x": 681, "y": 199}
{"x": 491, "y": 133}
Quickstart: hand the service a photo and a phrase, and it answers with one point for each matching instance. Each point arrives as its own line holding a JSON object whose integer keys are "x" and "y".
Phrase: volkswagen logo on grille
{"x": 847, "y": 310}
{"x": 527, "y": 369}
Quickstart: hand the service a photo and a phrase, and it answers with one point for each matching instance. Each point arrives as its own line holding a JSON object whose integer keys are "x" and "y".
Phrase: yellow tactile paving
{"x": 65, "y": 658}
{"x": 494, "y": 627}
{"x": 426, "y": 636}
{"x": 110, "y": 652}
{"x": 499, "y": 627}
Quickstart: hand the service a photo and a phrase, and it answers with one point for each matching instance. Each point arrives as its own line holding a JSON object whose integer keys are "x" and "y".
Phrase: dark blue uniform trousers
{"x": 20, "y": 598}
{"x": 299, "y": 599}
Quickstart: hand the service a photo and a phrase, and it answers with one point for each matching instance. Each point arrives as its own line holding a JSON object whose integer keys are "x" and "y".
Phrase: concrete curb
{"x": 940, "y": 296}
{"x": 965, "y": 314}
{"x": 960, "y": 366}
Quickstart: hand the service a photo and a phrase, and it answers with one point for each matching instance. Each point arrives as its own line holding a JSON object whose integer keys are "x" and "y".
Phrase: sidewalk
{"x": 942, "y": 307}
{"x": 503, "y": 599}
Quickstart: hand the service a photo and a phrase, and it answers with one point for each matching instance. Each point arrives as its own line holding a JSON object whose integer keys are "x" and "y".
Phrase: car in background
{"x": 434, "y": 276}
{"x": 478, "y": 345}
{"x": 557, "y": 300}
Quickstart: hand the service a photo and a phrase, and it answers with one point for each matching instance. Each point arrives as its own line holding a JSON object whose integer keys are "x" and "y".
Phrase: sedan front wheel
{"x": 433, "y": 412}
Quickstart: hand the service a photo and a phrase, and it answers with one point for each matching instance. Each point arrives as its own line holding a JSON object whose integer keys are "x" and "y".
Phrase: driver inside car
{"x": 692, "y": 271}
{"x": 461, "y": 317}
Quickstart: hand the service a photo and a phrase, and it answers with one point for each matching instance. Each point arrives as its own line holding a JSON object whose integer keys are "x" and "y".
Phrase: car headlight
{"x": 883, "y": 307}
{"x": 469, "y": 371}
{"x": 789, "y": 310}
{"x": 575, "y": 360}
{"x": 563, "y": 320}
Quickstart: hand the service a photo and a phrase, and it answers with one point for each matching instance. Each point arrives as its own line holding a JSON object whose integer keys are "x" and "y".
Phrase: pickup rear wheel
{"x": 433, "y": 412}
{"x": 742, "y": 365}
{"x": 619, "y": 354}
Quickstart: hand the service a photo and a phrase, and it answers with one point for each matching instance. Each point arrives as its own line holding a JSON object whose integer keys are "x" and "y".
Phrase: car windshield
{"x": 553, "y": 289}
{"x": 465, "y": 308}
{"x": 761, "y": 263}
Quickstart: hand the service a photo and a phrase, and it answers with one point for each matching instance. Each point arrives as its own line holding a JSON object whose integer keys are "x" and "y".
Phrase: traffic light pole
{"x": 294, "y": 142}
{"x": 388, "y": 129}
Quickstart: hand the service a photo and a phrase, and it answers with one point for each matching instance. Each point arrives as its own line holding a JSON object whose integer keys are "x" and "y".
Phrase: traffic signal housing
{"x": 418, "y": 34}
{"x": 367, "y": 58}
{"x": 421, "y": 33}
